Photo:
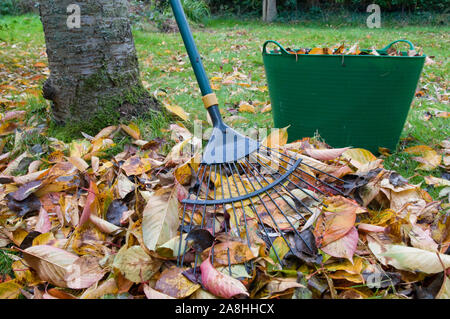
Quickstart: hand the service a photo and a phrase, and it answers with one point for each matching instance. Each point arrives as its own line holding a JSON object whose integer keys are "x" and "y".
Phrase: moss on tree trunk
{"x": 95, "y": 75}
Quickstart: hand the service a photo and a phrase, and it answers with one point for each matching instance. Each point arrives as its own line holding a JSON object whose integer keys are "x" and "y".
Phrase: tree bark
{"x": 269, "y": 10}
{"x": 94, "y": 68}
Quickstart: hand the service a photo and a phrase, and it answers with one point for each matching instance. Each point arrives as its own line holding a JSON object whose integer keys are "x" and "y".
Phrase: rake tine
{"x": 243, "y": 208}
{"x": 214, "y": 215}
{"x": 192, "y": 216}
{"x": 203, "y": 217}
{"x": 268, "y": 211}
{"x": 184, "y": 215}
{"x": 294, "y": 208}
{"x": 312, "y": 167}
{"x": 295, "y": 184}
{"x": 301, "y": 189}
{"x": 242, "y": 202}
{"x": 286, "y": 201}
{"x": 293, "y": 174}
{"x": 319, "y": 180}
{"x": 225, "y": 210}
{"x": 232, "y": 205}
{"x": 278, "y": 207}
{"x": 259, "y": 218}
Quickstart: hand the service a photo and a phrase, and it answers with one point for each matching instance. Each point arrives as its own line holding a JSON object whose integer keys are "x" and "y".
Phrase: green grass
{"x": 230, "y": 44}
{"x": 5, "y": 265}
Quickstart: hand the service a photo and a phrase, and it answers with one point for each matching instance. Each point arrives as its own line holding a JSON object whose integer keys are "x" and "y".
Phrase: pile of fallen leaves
{"x": 341, "y": 49}
{"x": 79, "y": 225}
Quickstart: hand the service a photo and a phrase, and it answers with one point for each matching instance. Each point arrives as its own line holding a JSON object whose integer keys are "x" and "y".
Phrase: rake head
{"x": 242, "y": 184}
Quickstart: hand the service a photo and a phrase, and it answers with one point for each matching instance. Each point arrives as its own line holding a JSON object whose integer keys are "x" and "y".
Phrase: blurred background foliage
{"x": 157, "y": 14}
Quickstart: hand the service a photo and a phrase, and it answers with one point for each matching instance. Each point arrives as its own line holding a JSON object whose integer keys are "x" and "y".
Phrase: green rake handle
{"x": 209, "y": 98}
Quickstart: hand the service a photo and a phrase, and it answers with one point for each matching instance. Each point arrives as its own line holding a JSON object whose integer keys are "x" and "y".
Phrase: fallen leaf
{"x": 277, "y": 138}
{"x": 344, "y": 247}
{"x": 151, "y": 293}
{"x": 135, "y": 264}
{"x": 325, "y": 154}
{"x": 429, "y": 159}
{"x": 358, "y": 157}
{"x": 245, "y": 107}
{"x": 136, "y": 165}
{"x": 409, "y": 258}
{"x": 220, "y": 284}
{"x": 91, "y": 204}
{"x": 436, "y": 182}
{"x": 50, "y": 263}
{"x": 10, "y": 289}
{"x": 84, "y": 272}
{"x": 132, "y": 130}
{"x": 177, "y": 110}
{"x": 337, "y": 219}
{"x": 160, "y": 220}
{"x": 173, "y": 283}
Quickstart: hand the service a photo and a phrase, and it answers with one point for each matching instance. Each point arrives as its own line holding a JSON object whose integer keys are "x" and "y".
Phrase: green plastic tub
{"x": 360, "y": 101}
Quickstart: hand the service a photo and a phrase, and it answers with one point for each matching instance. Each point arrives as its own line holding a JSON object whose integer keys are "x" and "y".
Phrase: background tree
{"x": 94, "y": 68}
{"x": 269, "y": 10}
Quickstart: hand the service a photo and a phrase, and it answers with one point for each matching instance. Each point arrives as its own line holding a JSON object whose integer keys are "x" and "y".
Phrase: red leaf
{"x": 325, "y": 154}
{"x": 344, "y": 247}
{"x": 336, "y": 220}
{"x": 90, "y": 205}
{"x": 43, "y": 224}
{"x": 220, "y": 284}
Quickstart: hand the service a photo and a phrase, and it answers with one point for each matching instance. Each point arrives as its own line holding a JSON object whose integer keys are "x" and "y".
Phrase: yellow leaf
{"x": 135, "y": 264}
{"x": 132, "y": 130}
{"x": 136, "y": 165}
{"x": 429, "y": 159}
{"x": 43, "y": 239}
{"x": 106, "y": 132}
{"x": 358, "y": 157}
{"x": 177, "y": 110}
{"x": 267, "y": 108}
{"x": 160, "y": 220}
{"x": 245, "y": 107}
{"x": 437, "y": 182}
{"x": 78, "y": 163}
{"x": 23, "y": 274}
{"x": 79, "y": 148}
{"x": 277, "y": 138}
{"x": 10, "y": 289}
{"x": 316, "y": 51}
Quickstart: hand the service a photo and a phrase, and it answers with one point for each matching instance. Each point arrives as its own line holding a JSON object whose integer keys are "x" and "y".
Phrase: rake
{"x": 237, "y": 172}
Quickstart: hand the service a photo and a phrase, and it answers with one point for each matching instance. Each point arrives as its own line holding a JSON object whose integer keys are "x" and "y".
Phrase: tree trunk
{"x": 94, "y": 67}
{"x": 269, "y": 10}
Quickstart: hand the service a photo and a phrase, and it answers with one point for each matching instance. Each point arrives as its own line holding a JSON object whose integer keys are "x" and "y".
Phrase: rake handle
{"x": 209, "y": 98}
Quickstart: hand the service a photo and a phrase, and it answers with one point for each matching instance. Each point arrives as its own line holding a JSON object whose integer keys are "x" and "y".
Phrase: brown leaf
{"x": 50, "y": 263}
{"x": 173, "y": 283}
{"x": 84, "y": 272}
{"x": 337, "y": 219}
{"x": 151, "y": 293}
{"x": 237, "y": 251}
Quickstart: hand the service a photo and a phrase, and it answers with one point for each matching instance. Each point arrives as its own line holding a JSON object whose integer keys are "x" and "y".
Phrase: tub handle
{"x": 411, "y": 46}
{"x": 276, "y": 43}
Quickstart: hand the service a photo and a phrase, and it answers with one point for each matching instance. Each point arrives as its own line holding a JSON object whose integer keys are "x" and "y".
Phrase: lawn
{"x": 229, "y": 46}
